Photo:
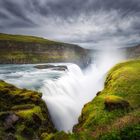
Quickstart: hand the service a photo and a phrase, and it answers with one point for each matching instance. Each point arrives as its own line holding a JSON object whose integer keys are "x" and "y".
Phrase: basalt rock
{"x": 10, "y": 120}
{"x": 52, "y": 67}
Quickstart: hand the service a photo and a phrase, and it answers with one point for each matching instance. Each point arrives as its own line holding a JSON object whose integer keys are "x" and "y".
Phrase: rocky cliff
{"x": 18, "y": 49}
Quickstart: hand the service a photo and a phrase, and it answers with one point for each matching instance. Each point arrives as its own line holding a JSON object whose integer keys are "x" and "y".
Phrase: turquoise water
{"x": 26, "y": 76}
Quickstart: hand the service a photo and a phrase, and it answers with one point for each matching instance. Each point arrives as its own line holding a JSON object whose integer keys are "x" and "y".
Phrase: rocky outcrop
{"x": 16, "y": 49}
{"x": 52, "y": 67}
{"x": 114, "y": 102}
{"x": 23, "y": 114}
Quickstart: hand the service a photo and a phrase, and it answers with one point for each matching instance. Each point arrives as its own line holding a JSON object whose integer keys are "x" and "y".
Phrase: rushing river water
{"x": 65, "y": 92}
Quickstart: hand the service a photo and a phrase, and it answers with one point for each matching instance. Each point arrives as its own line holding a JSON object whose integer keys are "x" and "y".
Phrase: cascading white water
{"x": 65, "y": 93}
{"x": 66, "y": 96}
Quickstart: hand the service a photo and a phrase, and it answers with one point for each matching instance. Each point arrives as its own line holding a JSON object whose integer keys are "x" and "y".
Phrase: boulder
{"x": 10, "y": 120}
{"x": 114, "y": 102}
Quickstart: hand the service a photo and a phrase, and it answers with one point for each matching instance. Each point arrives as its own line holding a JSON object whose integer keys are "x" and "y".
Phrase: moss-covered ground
{"x": 23, "y": 114}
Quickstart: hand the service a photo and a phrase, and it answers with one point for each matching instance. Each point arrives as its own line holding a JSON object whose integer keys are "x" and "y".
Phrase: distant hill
{"x": 19, "y": 49}
{"x": 133, "y": 52}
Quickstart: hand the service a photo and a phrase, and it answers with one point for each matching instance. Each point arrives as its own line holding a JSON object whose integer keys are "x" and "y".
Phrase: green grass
{"x": 113, "y": 99}
{"x": 25, "y": 38}
{"x": 130, "y": 132}
{"x": 28, "y": 113}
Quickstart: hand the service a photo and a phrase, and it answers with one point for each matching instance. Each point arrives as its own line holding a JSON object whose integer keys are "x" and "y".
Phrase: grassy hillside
{"x": 29, "y": 39}
{"x": 114, "y": 114}
{"x": 23, "y": 114}
{"x": 19, "y": 49}
{"x": 117, "y": 108}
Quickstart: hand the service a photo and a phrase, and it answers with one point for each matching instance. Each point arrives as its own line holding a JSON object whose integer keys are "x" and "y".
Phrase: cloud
{"x": 90, "y": 23}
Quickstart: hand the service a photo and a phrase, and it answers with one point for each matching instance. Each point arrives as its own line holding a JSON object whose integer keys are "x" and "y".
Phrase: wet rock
{"x": 59, "y": 68}
{"x": 10, "y": 120}
{"x": 43, "y": 66}
{"x": 98, "y": 93}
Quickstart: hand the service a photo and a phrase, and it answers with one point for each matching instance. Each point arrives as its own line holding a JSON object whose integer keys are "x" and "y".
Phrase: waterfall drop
{"x": 66, "y": 96}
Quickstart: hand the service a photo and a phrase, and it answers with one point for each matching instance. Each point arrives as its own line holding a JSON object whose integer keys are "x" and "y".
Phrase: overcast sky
{"x": 89, "y": 23}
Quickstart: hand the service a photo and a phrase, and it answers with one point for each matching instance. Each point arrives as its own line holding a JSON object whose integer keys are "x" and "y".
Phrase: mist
{"x": 66, "y": 97}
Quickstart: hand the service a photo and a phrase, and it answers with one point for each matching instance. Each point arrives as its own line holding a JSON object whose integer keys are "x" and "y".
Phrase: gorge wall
{"x": 133, "y": 52}
{"x": 19, "y": 49}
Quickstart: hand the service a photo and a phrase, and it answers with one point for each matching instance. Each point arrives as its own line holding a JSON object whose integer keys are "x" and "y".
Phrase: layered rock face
{"x": 17, "y": 49}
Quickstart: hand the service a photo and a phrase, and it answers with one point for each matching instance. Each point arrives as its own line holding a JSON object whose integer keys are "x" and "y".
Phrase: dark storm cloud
{"x": 14, "y": 9}
{"x": 90, "y": 23}
{"x": 3, "y": 16}
{"x": 68, "y": 8}
{"x": 14, "y": 14}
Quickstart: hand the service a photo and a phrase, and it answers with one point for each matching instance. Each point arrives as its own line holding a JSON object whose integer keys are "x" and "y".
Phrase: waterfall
{"x": 66, "y": 96}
